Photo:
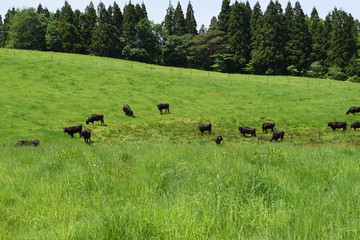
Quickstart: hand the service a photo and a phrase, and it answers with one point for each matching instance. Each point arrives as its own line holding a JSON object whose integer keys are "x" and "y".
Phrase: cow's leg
{"x": 72, "y": 135}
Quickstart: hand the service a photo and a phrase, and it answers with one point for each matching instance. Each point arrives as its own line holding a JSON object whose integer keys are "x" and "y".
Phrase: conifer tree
{"x": 213, "y": 23}
{"x": 239, "y": 34}
{"x": 140, "y": 12}
{"x": 88, "y": 25}
{"x": 224, "y": 16}
{"x": 298, "y": 45}
{"x": 168, "y": 22}
{"x": 190, "y": 20}
{"x": 105, "y": 41}
{"x": 268, "y": 51}
{"x": 343, "y": 39}
{"x": 318, "y": 38}
{"x": 129, "y": 23}
{"x": 179, "y": 21}
{"x": 6, "y": 26}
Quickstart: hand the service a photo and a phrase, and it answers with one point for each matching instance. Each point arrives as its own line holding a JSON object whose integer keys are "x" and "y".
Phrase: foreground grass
{"x": 180, "y": 191}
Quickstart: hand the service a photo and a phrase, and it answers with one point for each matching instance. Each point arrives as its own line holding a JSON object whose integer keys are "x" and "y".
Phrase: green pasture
{"x": 43, "y": 92}
{"x": 156, "y": 176}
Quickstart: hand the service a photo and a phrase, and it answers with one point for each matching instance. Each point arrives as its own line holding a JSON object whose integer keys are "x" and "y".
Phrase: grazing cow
{"x": 28, "y": 143}
{"x": 247, "y": 130}
{"x": 73, "y": 129}
{"x": 266, "y": 126}
{"x": 86, "y": 134}
{"x": 162, "y": 106}
{"x": 128, "y": 111}
{"x": 335, "y": 125}
{"x": 95, "y": 117}
{"x": 218, "y": 139}
{"x": 353, "y": 110}
{"x": 355, "y": 125}
{"x": 276, "y": 135}
{"x": 205, "y": 127}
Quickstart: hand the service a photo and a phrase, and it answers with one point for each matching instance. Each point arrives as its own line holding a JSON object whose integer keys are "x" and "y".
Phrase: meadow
{"x": 156, "y": 176}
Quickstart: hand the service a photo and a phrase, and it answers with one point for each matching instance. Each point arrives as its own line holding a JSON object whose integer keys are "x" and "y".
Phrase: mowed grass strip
{"x": 42, "y": 92}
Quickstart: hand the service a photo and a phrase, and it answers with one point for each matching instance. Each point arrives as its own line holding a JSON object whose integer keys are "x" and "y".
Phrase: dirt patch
{"x": 214, "y": 94}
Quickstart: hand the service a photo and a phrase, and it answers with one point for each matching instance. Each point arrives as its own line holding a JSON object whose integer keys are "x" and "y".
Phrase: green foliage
{"x": 176, "y": 49}
{"x": 224, "y": 16}
{"x": 298, "y": 38}
{"x": 169, "y": 21}
{"x": 268, "y": 56}
{"x": 336, "y": 73}
{"x": 204, "y": 47}
{"x": 354, "y": 79}
{"x": 129, "y": 23}
{"x": 239, "y": 35}
{"x": 180, "y": 26}
{"x": 316, "y": 70}
{"x": 190, "y": 20}
{"x": 343, "y": 39}
{"x": 27, "y": 30}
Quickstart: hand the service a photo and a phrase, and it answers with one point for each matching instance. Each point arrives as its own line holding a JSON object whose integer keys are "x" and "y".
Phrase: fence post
{"x": 319, "y": 136}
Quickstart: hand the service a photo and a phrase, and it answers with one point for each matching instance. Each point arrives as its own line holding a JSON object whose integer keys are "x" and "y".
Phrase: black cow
{"x": 95, "y": 117}
{"x": 218, "y": 139}
{"x": 205, "y": 127}
{"x": 246, "y": 130}
{"x": 28, "y": 143}
{"x": 335, "y": 125}
{"x": 276, "y": 135}
{"x": 162, "y": 106}
{"x": 353, "y": 110}
{"x": 266, "y": 126}
{"x": 355, "y": 125}
{"x": 86, "y": 134}
{"x": 73, "y": 129}
{"x": 128, "y": 111}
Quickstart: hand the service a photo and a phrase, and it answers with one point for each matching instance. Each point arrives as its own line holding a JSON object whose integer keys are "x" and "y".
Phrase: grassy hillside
{"x": 44, "y": 92}
{"x": 156, "y": 176}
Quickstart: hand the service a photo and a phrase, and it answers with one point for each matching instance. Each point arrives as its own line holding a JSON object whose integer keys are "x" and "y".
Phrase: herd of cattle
{"x": 86, "y": 133}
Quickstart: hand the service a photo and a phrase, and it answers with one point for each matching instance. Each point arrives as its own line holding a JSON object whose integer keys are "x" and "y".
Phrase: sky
{"x": 204, "y": 10}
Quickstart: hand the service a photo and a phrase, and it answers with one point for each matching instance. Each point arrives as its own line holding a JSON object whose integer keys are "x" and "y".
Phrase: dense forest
{"x": 241, "y": 39}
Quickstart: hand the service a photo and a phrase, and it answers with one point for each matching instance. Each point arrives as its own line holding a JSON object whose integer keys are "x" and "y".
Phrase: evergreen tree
{"x": 203, "y": 47}
{"x": 69, "y": 33}
{"x": 268, "y": 46}
{"x": 239, "y": 35}
{"x": 88, "y": 25}
{"x": 343, "y": 39}
{"x": 190, "y": 20}
{"x": 6, "y": 26}
{"x": 298, "y": 45}
{"x": 224, "y": 16}
{"x": 255, "y": 16}
{"x": 202, "y": 29}
{"x": 179, "y": 21}
{"x": 1, "y": 26}
{"x": 105, "y": 41}
{"x": 129, "y": 23}
{"x": 140, "y": 12}
{"x": 117, "y": 19}
{"x": 318, "y": 41}
{"x": 169, "y": 21}
{"x": 213, "y": 23}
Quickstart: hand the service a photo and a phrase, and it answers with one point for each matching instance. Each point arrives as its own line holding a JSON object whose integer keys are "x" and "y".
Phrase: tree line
{"x": 242, "y": 39}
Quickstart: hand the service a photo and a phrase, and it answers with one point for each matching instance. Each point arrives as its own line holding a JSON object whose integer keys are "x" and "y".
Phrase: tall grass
{"x": 180, "y": 191}
{"x": 156, "y": 176}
